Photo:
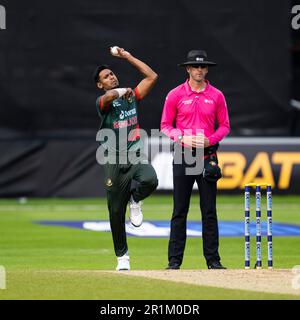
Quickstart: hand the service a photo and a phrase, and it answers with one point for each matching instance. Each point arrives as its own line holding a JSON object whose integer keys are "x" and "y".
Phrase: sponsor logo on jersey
{"x": 128, "y": 113}
{"x": 186, "y": 102}
{"x": 208, "y": 101}
{"x": 117, "y": 104}
{"x": 125, "y": 123}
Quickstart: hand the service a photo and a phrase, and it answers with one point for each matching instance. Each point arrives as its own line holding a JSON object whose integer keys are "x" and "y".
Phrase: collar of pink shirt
{"x": 189, "y": 90}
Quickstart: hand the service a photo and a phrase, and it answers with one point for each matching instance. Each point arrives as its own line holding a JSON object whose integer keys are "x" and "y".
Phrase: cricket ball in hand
{"x": 114, "y": 50}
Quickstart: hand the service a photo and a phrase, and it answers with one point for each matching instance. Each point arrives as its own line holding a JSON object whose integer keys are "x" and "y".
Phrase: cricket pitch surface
{"x": 263, "y": 280}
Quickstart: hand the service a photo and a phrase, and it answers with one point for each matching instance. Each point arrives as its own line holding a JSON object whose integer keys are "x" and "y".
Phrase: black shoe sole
{"x": 172, "y": 268}
{"x": 216, "y": 267}
{"x": 123, "y": 270}
{"x": 135, "y": 225}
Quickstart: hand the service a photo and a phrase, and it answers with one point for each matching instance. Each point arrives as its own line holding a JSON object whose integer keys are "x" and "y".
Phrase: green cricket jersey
{"x": 121, "y": 116}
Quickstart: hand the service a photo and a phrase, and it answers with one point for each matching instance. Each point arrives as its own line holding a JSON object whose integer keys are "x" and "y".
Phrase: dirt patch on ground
{"x": 272, "y": 281}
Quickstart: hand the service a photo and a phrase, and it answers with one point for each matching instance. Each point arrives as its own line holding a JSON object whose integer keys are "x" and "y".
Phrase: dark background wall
{"x": 49, "y": 50}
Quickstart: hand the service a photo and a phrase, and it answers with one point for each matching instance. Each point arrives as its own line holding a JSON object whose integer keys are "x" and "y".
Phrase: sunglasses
{"x": 196, "y": 66}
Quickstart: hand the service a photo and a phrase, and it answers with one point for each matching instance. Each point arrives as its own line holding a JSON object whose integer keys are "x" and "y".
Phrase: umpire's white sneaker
{"x": 136, "y": 215}
{"x": 123, "y": 263}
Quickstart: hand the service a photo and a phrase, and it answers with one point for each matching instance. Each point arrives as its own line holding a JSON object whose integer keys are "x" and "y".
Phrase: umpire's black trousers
{"x": 183, "y": 185}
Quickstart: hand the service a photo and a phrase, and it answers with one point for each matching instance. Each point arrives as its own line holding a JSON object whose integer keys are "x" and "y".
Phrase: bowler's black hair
{"x": 98, "y": 70}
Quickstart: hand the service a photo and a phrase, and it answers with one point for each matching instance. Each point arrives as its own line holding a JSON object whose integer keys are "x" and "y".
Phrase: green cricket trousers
{"x": 122, "y": 181}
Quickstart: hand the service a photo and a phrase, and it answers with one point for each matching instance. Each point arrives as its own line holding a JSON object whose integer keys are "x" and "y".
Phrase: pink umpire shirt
{"x": 186, "y": 109}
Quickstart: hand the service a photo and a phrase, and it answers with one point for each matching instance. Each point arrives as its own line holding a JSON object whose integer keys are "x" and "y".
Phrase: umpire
{"x": 192, "y": 106}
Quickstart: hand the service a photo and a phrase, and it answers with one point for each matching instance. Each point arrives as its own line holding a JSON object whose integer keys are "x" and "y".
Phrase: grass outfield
{"x": 47, "y": 262}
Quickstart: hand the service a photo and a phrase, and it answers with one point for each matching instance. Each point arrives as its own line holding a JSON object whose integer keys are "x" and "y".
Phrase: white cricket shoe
{"x": 136, "y": 215}
{"x": 123, "y": 263}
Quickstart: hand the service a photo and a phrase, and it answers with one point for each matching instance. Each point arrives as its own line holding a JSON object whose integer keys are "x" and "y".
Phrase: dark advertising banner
{"x": 60, "y": 168}
{"x": 50, "y": 168}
